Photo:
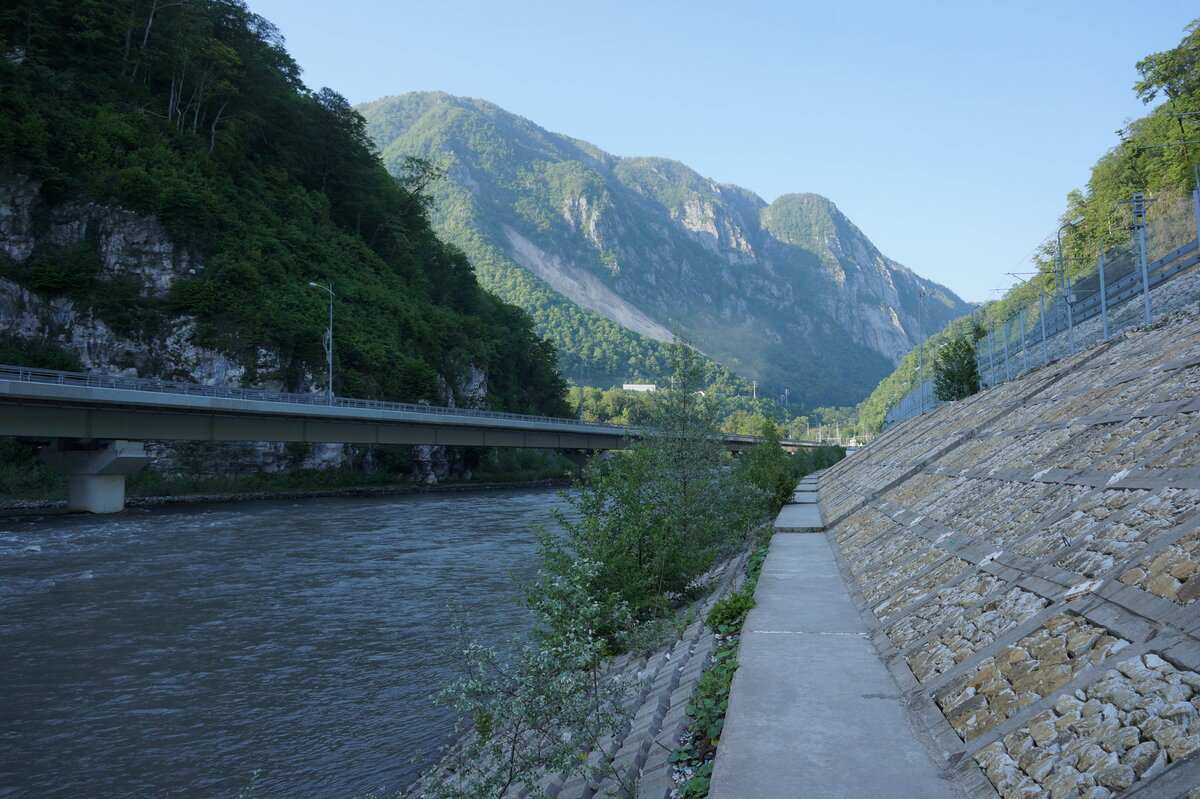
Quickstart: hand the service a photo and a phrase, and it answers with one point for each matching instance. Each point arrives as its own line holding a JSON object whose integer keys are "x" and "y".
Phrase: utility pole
{"x": 1024, "y": 349}
{"x": 328, "y": 345}
{"x": 754, "y": 389}
{"x": 1103, "y": 299}
{"x": 1196, "y": 199}
{"x": 1138, "y": 228}
{"x": 920, "y": 348}
{"x": 1068, "y": 297}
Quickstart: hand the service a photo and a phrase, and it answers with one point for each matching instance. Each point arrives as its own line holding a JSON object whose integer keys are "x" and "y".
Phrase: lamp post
{"x": 920, "y": 347}
{"x": 328, "y": 346}
{"x": 1066, "y": 279}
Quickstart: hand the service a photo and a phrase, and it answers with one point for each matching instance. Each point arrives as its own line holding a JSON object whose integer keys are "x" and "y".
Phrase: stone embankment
{"x": 655, "y": 711}
{"x": 1027, "y": 562}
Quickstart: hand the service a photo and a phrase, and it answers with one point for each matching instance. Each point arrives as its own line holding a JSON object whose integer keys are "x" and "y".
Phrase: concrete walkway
{"x": 813, "y": 711}
{"x": 802, "y": 513}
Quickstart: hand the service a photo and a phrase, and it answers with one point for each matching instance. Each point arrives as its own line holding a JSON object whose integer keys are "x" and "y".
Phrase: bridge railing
{"x": 25, "y": 374}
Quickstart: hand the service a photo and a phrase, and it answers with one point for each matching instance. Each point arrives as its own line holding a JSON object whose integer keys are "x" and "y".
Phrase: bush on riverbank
{"x": 768, "y": 467}
{"x": 655, "y": 518}
{"x": 641, "y": 530}
{"x": 515, "y": 465}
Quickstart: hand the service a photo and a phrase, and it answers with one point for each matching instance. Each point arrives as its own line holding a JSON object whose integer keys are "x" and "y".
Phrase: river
{"x": 173, "y": 652}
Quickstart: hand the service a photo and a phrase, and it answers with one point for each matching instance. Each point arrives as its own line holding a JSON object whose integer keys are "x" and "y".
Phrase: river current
{"x": 173, "y": 652}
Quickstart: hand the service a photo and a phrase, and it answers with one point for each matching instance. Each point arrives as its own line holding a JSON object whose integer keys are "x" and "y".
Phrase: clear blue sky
{"x": 949, "y": 132}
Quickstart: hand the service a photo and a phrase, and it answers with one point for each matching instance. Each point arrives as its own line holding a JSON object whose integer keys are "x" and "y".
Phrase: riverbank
{"x": 42, "y": 507}
{"x": 664, "y": 681}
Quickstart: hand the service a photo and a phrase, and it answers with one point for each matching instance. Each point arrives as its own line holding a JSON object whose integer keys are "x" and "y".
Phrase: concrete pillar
{"x": 96, "y": 469}
{"x": 581, "y": 457}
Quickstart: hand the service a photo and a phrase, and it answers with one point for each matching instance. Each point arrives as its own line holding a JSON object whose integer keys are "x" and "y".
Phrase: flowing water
{"x": 174, "y": 652}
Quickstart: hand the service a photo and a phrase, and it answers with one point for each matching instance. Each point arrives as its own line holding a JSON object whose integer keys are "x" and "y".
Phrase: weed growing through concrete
{"x": 694, "y": 759}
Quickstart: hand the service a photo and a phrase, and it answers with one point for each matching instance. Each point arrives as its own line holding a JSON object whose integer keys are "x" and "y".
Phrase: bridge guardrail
{"x": 26, "y": 374}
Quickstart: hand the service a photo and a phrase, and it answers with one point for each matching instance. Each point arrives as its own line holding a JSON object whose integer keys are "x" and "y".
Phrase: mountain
{"x": 612, "y": 256}
{"x": 168, "y": 190}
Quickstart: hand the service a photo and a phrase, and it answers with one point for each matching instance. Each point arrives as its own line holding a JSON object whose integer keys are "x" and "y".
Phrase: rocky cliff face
{"x": 127, "y": 244}
{"x": 130, "y": 244}
{"x": 790, "y": 293}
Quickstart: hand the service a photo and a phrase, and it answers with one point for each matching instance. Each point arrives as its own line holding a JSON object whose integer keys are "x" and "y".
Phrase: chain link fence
{"x": 1082, "y": 303}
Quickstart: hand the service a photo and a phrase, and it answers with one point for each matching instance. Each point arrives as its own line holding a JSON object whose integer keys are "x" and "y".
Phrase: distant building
{"x": 639, "y": 386}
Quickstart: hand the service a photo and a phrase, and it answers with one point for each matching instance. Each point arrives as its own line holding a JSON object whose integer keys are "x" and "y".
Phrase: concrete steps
{"x": 803, "y": 513}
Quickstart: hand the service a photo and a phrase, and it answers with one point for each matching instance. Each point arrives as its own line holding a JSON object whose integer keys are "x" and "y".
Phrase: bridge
{"x": 98, "y": 422}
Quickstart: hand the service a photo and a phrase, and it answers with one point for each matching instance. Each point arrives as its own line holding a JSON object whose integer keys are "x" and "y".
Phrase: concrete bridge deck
{"x": 98, "y": 421}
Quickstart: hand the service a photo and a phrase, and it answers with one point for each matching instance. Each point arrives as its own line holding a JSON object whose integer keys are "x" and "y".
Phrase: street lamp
{"x": 1066, "y": 279}
{"x": 920, "y": 345}
{"x": 328, "y": 346}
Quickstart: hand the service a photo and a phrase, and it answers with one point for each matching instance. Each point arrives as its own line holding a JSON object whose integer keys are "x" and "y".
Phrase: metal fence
{"x": 916, "y": 402}
{"x": 1082, "y": 304}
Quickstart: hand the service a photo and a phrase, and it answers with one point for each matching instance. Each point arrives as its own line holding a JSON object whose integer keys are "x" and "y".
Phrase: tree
{"x": 767, "y": 466}
{"x": 1174, "y": 72}
{"x": 955, "y": 372}
{"x": 654, "y": 517}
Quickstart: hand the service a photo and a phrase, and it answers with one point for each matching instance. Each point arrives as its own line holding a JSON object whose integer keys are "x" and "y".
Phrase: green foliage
{"x": 542, "y": 709}
{"x": 767, "y": 467}
{"x": 873, "y": 410}
{"x": 17, "y": 350}
{"x": 955, "y": 372}
{"x": 729, "y": 612}
{"x": 194, "y": 113}
{"x": 23, "y": 475}
{"x": 507, "y": 465}
{"x": 1175, "y": 73}
{"x": 643, "y": 529}
{"x": 710, "y": 700}
{"x": 158, "y": 483}
{"x": 655, "y": 517}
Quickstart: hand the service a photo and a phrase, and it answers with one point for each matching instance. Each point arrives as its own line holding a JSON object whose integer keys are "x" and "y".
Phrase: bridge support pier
{"x": 97, "y": 469}
{"x": 581, "y": 457}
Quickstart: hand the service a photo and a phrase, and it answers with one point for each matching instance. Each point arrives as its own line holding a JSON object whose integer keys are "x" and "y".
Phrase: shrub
{"x": 728, "y": 614}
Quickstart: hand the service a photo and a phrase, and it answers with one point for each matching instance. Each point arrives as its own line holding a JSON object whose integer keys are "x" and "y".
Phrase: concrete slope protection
{"x": 656, "y": 712}
{"x": 1027, "y": 562}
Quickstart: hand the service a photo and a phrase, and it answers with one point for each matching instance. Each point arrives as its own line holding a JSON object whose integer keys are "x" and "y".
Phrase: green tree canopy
{"x": 955, "y": 371}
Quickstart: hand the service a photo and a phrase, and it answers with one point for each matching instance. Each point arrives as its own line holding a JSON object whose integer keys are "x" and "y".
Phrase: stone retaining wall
{"x": 656, "y": 711}
{"x": 1028, "y": 561}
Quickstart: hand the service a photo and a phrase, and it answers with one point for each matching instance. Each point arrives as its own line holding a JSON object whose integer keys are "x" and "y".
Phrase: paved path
{"x": 802, "y": 513}
{"x": 813, "y": 711}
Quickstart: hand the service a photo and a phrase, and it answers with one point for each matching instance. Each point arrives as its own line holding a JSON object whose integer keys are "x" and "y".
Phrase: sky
{"x": 949, "y": 132}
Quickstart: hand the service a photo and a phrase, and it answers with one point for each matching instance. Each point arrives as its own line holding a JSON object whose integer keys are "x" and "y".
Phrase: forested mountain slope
{"x": 170, "y": 187}
{"x": 612, "y": 255}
